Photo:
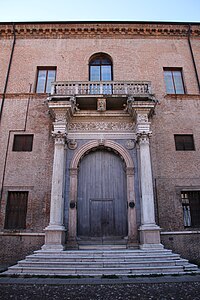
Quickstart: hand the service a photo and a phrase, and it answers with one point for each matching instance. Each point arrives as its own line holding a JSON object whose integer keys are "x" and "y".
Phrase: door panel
{"x": 101, "y": 217}
{"x": 102, "y": 202}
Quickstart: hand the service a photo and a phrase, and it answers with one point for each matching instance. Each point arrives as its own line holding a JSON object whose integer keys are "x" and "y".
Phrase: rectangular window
{"x": 16, "y": 210}
{"x": 45, "y": 76}
{"x": 191, "y": 208}
{"x": 174, "y": 81}
{"x": 184, "y": 142}
{"x": 23, "y": 142}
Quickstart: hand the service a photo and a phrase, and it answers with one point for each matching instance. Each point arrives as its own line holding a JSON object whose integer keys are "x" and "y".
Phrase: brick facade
{"x": 139, "y": 52}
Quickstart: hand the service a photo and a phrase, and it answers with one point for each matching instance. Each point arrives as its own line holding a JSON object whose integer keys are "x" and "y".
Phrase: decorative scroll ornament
{"x": 101, "y": 126}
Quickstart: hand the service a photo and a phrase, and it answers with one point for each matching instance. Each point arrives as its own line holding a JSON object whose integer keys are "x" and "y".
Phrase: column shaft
{"x": 55, "y": 231}
{"x": 57, "y": 199}
{"x": 147, "y": 203}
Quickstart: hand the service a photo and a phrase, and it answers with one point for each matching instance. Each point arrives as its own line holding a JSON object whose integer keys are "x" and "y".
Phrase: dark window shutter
{"x": 23, "y": 142}
{"x": 16, "y": 210}
{"x": 184, "y": 142}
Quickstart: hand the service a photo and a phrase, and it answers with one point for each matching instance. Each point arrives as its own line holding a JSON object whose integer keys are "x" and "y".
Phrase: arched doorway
{"x": 122, "y": 161}
{"x": 102, "y": 196}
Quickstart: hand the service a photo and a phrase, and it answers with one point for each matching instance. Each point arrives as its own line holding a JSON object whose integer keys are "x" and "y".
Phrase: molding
{"x": 105, "y": 143}
{"x": 22, "y": 234}
{"x": 98, "y": 29}
{"x": 180, "y": 232}
{"x": 100, "y": 135}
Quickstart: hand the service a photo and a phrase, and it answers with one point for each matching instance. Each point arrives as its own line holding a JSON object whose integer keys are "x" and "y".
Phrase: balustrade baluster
{"x": 92, "y": 88}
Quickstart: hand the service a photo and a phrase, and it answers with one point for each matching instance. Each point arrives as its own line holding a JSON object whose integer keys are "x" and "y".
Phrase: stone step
{"x": 97, "y": 271}
{"x": 101, "y": 259}
{"x": 107, "y": 264}
{"x": 101, "y": 247}
{"x": 99, "y": 262}
{"x": 102, "y": 256}
{"x": 106, "y": 253}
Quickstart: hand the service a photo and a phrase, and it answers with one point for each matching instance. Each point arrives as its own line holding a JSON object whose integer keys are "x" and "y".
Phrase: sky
{"x": 100, "y": 10}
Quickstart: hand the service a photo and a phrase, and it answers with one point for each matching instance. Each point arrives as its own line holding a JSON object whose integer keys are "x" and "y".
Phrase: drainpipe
{"x": 8, "y": 71}
{"x": 192, "y": 54}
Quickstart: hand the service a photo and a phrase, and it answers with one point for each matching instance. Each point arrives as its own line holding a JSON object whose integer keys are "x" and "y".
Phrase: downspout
{"x": 8, "y": 71}
{"x": 192, "y": 54}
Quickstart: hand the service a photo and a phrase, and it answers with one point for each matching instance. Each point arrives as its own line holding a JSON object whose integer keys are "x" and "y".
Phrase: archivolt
{"x": 104, "y": 144}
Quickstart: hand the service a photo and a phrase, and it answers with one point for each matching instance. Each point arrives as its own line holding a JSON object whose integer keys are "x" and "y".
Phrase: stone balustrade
{"x": 69, "y": 88}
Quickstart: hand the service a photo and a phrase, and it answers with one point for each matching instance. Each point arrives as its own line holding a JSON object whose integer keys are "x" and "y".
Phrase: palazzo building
{"x": 99, "y": 137}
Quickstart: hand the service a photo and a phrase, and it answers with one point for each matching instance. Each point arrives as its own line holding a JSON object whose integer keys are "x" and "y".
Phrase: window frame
{"x": 101, "y": 57}
{"x": 190, "y": 208}
{"x": 172, "y": 70}
{"x": 184, "y": 142}
{"x": 47, "y": 69}
{"x": 25, "y": 146}
{"x": 16, "y": 215}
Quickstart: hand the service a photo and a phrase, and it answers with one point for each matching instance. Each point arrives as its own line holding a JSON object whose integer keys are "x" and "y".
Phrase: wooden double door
{"x": 102, "y": 199}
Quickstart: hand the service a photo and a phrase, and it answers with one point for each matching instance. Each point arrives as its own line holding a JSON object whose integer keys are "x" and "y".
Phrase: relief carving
{"x": 142, "y": 118}
{"x": 130, "y": 144}
{"x": 101, "y": 104}
{"x": 101, "y": 126}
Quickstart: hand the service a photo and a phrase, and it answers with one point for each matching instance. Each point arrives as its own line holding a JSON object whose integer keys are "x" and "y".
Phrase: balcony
{"x": 87, "y": 92}
{"x": 73, "y": 88}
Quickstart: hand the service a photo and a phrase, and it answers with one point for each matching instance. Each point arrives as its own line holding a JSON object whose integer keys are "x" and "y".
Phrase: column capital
{"x": 143, "y": 137}
{"x": 59, "y": 137}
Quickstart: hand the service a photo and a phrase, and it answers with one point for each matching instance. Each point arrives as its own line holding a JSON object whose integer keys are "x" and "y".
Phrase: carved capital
{"x": 143, "y": 137}
{"x": 59, "y": 137}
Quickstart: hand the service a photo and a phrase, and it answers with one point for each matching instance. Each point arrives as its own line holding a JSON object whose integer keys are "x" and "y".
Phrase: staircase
{"x": 90, "y": 262}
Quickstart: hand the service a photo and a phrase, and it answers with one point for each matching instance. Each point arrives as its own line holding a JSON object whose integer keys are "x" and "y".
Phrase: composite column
{"x": 55, "y": 232}
{"x": 149, "y": 232}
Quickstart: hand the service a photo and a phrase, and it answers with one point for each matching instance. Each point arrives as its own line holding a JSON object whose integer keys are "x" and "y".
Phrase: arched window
{"x": 100, "y": 67}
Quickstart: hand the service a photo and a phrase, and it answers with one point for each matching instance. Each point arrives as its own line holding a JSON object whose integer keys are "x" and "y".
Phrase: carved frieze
{"x": 101, "y": 126}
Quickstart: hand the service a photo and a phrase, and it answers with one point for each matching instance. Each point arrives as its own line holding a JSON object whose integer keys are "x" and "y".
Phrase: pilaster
{"x": 55, "y": 231}
{"x": 142, "y": 112}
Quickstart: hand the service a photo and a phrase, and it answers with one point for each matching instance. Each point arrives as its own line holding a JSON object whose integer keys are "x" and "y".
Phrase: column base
{"x": 54, "y": 238}
{"x": 150, "y": 237}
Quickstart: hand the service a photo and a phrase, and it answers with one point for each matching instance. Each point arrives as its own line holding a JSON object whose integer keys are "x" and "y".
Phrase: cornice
{"x": 97, "y": 30}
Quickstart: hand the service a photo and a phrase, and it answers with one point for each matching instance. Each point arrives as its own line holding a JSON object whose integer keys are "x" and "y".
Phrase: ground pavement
{"x": 186, "y": 287}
